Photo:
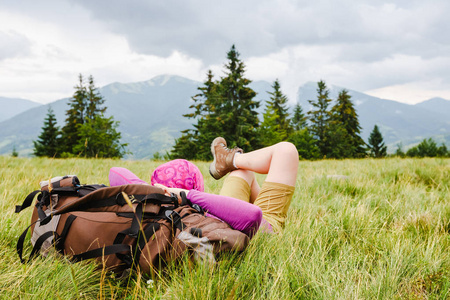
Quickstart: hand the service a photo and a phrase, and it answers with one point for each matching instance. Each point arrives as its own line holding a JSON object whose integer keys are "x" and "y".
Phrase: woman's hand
{"x": 168, "y": 191}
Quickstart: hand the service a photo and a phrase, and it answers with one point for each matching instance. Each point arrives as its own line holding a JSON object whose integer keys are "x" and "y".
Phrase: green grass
{"x": 381, "y": 234}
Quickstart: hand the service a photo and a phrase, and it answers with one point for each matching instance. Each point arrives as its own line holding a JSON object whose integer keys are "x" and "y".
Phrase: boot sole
{"x": 212, "y": 167}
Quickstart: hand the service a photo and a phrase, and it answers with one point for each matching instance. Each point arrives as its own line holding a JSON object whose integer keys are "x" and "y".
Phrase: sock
{"x": 234, "y": 157}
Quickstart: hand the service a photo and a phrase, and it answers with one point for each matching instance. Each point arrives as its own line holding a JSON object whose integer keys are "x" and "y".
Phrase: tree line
{"x": 87, "y": 132}
{"x": 226, "y": 107}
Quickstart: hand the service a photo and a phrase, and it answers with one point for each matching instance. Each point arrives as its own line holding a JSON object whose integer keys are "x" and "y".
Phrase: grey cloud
{"x": 13, "y": 44}
{"x": 206, "y": 29}
{"x": 370, "y": 30}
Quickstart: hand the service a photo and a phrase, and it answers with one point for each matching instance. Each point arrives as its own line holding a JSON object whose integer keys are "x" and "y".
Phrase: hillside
{"x": 150, "y": 114}
{"x": 398, "y": 122}
{"x": 14, "y": 106}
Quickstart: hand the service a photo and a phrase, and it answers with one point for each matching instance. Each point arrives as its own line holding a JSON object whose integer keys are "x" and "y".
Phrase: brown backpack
{"x": 123, "y": 227}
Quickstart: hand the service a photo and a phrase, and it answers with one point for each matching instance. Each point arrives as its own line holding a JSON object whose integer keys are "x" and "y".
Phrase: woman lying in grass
{"x": 241, "y": 203}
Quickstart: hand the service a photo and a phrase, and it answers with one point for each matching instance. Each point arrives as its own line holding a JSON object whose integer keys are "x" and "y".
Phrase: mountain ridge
{"x": 150, "y": 114}
{"x": 14, "y": 106}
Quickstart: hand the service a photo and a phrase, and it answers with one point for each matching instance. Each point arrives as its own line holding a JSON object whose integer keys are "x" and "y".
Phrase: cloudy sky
{"x": 397, "y": 50}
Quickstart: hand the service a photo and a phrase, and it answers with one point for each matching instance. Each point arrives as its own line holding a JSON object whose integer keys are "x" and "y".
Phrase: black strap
{"x": 134, "y": 229}
{"x": 145, "y": 215}
{"x": 175, "y": 219}
{"x": 62, "y": 238}
{"x": 107, "y": 250}
{"x": 65, "y": 190}
{"x": 161, "y": 199}
{"x": 142, "y": 240}
{"x": 184, "y": 199}
{"x": 20, "y": 241}
{"x": 38, "y": 245}
{"x": 27, "y": 202}
{"x": 119, "y": 200}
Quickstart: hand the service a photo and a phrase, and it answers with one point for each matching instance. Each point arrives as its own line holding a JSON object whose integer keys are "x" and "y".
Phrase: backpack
{"x": 123, "y": 227}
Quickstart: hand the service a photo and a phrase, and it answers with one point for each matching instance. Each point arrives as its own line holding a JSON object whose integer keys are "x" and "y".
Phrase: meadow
{"x": 382, "y": 233}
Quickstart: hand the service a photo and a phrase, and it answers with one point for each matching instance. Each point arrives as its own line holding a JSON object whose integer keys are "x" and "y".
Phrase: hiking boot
{"x": 223, "y": 158}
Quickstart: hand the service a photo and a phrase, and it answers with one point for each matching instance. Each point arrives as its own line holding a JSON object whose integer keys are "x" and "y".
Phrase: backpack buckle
{"x": 175, "y": 219}
{"x": 198, "y": 208}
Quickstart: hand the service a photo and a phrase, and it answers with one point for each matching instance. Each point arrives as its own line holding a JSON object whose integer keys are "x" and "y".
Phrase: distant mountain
{"x": 150, "y": 115}
{"x": 436, "y": 105}
{"x": 14, "y": 106}
{"x": 398, "y": 122}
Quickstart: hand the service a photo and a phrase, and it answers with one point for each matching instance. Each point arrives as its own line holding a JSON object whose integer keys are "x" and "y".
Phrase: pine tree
{"x": 185, "y": 147}
{"x": 195, "y": 143}
{"x": 305, "y": 143}
{"x": 221, "y": 108}
{"x": 319, "y": 118}
{"x": 14, "y": 152}
{"x": 426, "y": 148}
{"x": 237, "y": 112}
{"x": 88, "y": 132}
{"x": 99, "y": 138}
{"x": 301, "y": 137}
{"x": 345, "y": 128}
{"x": 47, "y": 143}
{"x": 442, "y": 151}
{"x": 276, "y": 126}
{"x": 376, "y": 144}
{"x": 399, "y": 151}
{"x": 75, "y": 118}
{"x": 298, "y": 119}
{"x": 94, "y": 100}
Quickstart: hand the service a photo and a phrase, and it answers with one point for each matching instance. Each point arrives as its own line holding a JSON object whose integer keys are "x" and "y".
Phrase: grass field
{"x": 381, "y": 234}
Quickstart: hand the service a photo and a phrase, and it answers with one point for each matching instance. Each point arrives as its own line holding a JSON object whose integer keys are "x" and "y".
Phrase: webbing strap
{"x": 142, "y": 240}
{"x": 20, "y": 241}
{"x": 104, "y": 251}
{"x": 175, "y": 219}
{"x": 62, "y": 238}
{"x": 38, "y": 245}
{"x": 27, "y": 202}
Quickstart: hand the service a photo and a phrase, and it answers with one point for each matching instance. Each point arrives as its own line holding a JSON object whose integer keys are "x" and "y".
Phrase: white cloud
{"x": 388, "y": 48}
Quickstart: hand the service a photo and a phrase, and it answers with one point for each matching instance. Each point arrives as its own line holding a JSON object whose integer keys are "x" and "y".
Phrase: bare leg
{"x": 279, "y": 162}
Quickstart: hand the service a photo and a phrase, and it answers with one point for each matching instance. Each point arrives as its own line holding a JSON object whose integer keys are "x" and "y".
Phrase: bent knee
{"x": 289, "y": 151}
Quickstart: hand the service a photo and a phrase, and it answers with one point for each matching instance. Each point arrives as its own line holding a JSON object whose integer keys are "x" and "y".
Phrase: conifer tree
{"x": 442, "y": 151}
{"x": 301, "y": 137}
{"x": 195, "y": 143}
{"x": 399, "y": 151}
{"x": 14, "y": 152}
{"x": 88, "y": 132}
{"x": 376, "y": 144}
{"x": 75, "y": 118}
{"x": 99, "y": 138}
{"x": 185, "y": 147}
{"x": 237, "y": 110}
{"x": 221, "y": 108}
{"x": 94, "y": 100}
{"x": 47, "y": 143}
{"x": 345, "y": 129}
{"x": 298, "y": 119}
{"x": 276, "y": 126}
{"x": 305, "y": 143}
{"x": 319, "y": 118}
{"x": 426, "y": 148}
